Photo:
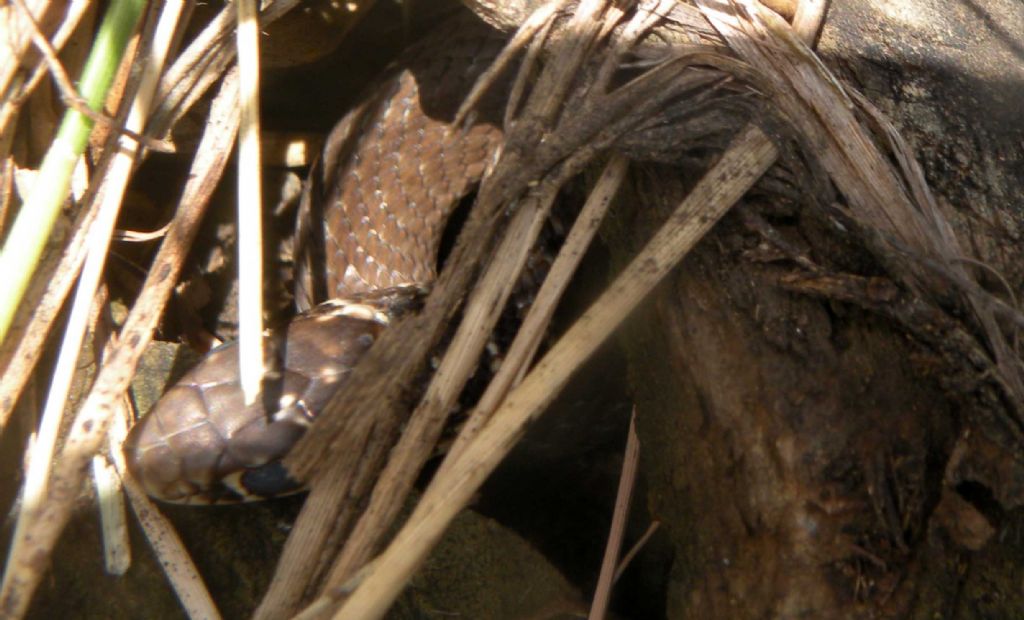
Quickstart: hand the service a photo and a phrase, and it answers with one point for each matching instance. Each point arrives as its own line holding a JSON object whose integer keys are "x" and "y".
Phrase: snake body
{"x": 370, "y": 227}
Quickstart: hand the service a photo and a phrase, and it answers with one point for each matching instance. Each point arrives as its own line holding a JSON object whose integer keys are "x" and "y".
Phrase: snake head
{"x": 202, "y": 444}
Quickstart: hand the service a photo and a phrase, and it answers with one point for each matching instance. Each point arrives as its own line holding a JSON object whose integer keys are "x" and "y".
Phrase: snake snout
{"x": 202, "y": 444}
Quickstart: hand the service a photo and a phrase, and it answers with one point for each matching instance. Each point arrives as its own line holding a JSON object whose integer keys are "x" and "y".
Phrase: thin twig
{"x": 524, "y": 346}
{"x": 137, "y": 236}
{"x": 109, "y": 490}
{"x": 526, "y": 74}
{"x": 635, "y": 549}
{"x": 170, "y": 552}
{"x": 70, "y": 95}
{"x": 74, "y": 12}
{"x": 203, "y": 63}
{"x": 540, "y": 18}
{"x": 250, "y": 206}
{"x": 113, "y": 524}
{"x": 7, "y": 171}
{"x": 620, "y": 516}
{"x": 30, "y": 346}
{"x": 808, "y": 20}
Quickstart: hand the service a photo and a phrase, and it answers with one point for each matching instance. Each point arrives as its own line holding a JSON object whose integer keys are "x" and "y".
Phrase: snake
{"x": 370, "y": 226}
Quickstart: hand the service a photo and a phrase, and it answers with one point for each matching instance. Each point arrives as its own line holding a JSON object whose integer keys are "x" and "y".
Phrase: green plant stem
{"x": 34, "y": 225}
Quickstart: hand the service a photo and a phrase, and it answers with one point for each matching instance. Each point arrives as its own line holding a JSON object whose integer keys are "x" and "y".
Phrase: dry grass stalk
{"x": 610, "y": 562}
{"x": 113, "y": 517}
{"x": 460, "y": 360}
{"x": 541, "y": 18}
{"x": 20, "y": 355}
{"x": 89, "y": 428}
{"x": 524, "y": 346}
{"x": 115, "y": 182}
{"x": 203, "y": 63}
{"x": 808, "y": 19}
{"x": 742, "y": 164}
{"x": 427, "y": 421}
{"x": 627, "y": 558}
{"x": 8, "y": 169}
{"x": 17, "y": 23}
{"x": 41, "y": 449}
{"x": 250, "y": 205}
{"x": 173, "y": 557}
{"x": 681, "y": 23}
{"x": 106, "y": 481}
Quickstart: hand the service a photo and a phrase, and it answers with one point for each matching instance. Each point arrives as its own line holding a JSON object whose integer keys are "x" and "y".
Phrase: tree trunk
{"x": 807, "y": 456}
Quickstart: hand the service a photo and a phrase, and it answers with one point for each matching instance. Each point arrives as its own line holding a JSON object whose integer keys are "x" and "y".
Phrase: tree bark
{"x": 807, "y": 456}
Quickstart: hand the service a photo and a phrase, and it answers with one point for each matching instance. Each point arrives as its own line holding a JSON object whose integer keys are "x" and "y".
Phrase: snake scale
{"x": 370, "y": 227}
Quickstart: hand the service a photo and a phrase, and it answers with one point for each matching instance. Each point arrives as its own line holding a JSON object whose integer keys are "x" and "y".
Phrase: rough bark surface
{"x": 808, "y": 458}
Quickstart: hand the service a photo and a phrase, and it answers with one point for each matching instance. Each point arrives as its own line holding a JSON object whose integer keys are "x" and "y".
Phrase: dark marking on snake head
{"x": 269, "y": 480}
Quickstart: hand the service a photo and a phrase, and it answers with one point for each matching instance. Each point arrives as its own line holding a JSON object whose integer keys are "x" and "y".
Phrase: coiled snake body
{"x": 391, "y": 173}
